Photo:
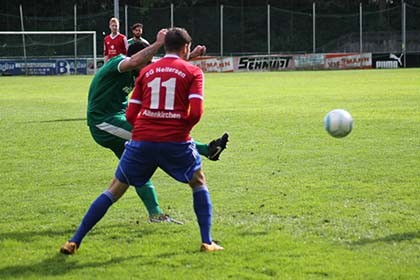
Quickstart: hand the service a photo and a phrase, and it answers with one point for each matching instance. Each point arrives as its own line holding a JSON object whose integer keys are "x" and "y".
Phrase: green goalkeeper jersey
{"x": 108, "y": 92}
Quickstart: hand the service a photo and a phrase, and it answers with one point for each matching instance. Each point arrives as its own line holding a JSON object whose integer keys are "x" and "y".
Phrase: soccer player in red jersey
{"x": 167, "y": 102}
{"x": 114, "y": 43}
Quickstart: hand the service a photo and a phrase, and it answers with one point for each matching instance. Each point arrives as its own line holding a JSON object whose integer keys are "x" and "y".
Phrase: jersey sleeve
{"x": 196, "y": 98}
{"x": 125, "y": 44}
{"x": 112, "y": 66}
{"x": 135, "y": 102}
{"x": 144, "y": 41}
{"x": 197, "y": 84}
{"x": 105, "y": 48}
{"x": 120, "y": 61}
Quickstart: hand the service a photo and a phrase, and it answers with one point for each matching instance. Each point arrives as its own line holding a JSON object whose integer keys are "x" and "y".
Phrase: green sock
{"x": 148, "y": 195}
{"x": 203, "y": 149}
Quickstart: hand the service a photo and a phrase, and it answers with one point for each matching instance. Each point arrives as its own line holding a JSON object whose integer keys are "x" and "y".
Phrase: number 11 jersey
{"x": 162, "y": 93}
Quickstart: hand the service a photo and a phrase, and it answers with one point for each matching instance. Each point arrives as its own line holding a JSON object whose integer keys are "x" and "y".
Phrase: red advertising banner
{"x": 282, "y": 62}
{"x": 214, "y": 64}
{"x": 348, "y": 61}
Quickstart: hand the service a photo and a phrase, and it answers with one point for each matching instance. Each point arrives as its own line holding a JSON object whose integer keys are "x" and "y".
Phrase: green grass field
{"x": 290, "y": 202}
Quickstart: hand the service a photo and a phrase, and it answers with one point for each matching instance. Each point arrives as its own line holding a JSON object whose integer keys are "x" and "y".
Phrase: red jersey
{"x": 115, "y": 45}
{"x": 167, "y": 101}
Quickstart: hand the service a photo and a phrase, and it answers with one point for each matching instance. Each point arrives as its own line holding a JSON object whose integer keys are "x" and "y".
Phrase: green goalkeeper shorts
{"x": 112, "y": 133}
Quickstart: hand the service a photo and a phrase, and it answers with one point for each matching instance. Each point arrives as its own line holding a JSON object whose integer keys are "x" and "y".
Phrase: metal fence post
{"x": 94, "y": 53}
{"x": 126, "y": 19}
{"x": 403, "y": 39}
{"x": 313, "y": 29}
{"x": 268, "y": 30}
{"x": 360, "y": 28}
{"x": 23, "y": 38}
{"x": 117, "y": 9}
{"x": 172, "y": 15}
{"x": 221, "y": 30}
{"x": 75, "y": 39}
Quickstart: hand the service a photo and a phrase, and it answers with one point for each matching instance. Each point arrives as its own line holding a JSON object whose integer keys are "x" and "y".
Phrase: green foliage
{"x": 290, "y": 202}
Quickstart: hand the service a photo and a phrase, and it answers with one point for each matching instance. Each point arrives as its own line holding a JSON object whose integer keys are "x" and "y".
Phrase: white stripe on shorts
{"x": 115, "y": 130}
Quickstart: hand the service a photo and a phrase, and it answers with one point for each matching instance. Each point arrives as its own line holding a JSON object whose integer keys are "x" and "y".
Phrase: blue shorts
{"x": 141, "y": 159}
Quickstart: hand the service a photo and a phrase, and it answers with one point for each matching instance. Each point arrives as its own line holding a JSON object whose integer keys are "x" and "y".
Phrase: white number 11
{"x": 155, "y": 86}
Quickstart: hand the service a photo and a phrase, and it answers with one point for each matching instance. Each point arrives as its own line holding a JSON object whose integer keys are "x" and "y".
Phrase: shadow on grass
{"x": 58, "y": 264}
{"x": 64, "y": 120}
{"x": 252, "y": 233}
{"x": 58, "y": 120}
{"x": 398, "y": 237}
{"x": 30, "y": 235}
{"x": 67, "y": 232}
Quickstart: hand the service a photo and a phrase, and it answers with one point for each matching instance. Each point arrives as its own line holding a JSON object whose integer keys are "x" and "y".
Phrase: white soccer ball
{"x": 338, "y": 123}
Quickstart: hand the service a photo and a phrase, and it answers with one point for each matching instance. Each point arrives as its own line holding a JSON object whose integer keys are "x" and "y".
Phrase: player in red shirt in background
{"x": 114, "y": 43}
{"x": 166, "y": 103}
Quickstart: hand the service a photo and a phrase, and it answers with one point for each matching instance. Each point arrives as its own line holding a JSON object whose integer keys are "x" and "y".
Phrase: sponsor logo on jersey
{"x": 127, "y": 89}
{"x": 161, "y": 114}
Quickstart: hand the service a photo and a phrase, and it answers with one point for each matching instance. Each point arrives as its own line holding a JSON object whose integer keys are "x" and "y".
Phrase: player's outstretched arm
{"x": 143, "y": 57}
{"x": 198, "y": 51}
{"x": 134, "y": 106}
{"x": 196, "y": 111}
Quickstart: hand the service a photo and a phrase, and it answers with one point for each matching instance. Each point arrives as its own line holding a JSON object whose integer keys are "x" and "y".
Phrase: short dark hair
{"x": 134, "y": 26}
{"x": 176, "y": 38}
{"x": 135, "y": 48}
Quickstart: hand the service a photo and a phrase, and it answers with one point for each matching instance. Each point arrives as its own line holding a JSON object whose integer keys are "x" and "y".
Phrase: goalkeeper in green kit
{"x": 107, "y": 103}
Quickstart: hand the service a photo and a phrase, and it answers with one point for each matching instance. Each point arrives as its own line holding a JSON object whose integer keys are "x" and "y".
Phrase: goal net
{"x": 48, "y": 52}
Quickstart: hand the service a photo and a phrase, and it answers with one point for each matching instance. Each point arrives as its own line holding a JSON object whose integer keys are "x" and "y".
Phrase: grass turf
{"x": 290, "y": 201}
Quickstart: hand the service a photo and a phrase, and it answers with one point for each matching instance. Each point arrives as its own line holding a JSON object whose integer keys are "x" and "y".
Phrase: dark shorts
{"x": 141, "y": 159}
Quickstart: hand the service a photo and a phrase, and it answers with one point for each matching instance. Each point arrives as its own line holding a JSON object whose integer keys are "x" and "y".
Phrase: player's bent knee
{"x": 198, "y": 179}
{"x": 117, "y": 188}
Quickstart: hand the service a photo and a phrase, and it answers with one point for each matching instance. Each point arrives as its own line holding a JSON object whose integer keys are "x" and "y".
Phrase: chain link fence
{"x": 225, "y": 30}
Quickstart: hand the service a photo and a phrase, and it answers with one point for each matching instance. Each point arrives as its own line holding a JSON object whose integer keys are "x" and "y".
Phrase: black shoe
{"x": 217, "y": 146}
